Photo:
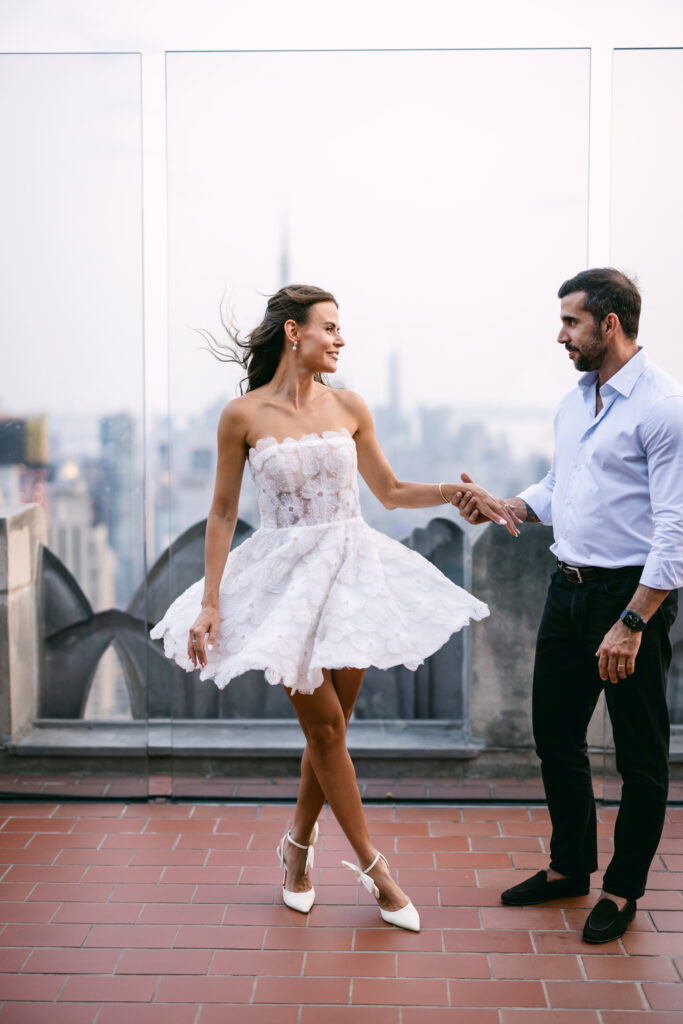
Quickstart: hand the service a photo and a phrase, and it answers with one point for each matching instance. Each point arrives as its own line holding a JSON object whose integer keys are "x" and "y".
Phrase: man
{"x": 614, "y": 496}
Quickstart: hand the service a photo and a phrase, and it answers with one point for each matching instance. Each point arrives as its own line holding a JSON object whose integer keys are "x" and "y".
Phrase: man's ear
{"x": 610, "y": 323}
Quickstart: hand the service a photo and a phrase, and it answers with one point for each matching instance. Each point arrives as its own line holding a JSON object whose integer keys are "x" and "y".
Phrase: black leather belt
{"x": 586, "y": 573}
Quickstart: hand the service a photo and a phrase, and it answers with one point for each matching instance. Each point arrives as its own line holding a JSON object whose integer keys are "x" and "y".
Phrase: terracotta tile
{"x": 570, "y": 942}
{"x": 254, "y": 1014}
{"x": 117, "y": 874}
{"x": 668, "y": 921}
{"x": 30, "y": 856}
{"x": 644, "y": 1017}
{"x": 310, "y": 938}
{"x": 388, "y": 939}
{"x": 11, "y": 960}
{"x": 46, "y": 873}
{"x": 447, "y": 917}
{"x": 10, "y": 809}
{"x": 653, "y": 943}
{"x": 487, "y": 941}
{"x": 177, "y": 825}
{"x": 112, "y": 989}
{"x": 497, "y": 993}
{"x": 158, "y": 893}
{"x": 264, "y": 963}
{"x": 532, "y": 918}
{"x": 303, "y": 990}
{"x": 448, "y": 859}
{"x": 526, "y": 965}
{"x": 78, "y": 892}
{"x": 43, "y": 935}
{"x": 445, "y": 965}
{"x": 401, "y": 992}
{"x": 209, "y": 937}
{"x": 71, "y": 961}
{"x": 24, "y": 912}
{"x": 152, "y": 1013}
{"x": 166, "y": 858}
{"x": 469, "y": 896}
{"x": 236, "y": 813}
{"x": 105, "y": 826}
{"x": 629, "y": 968}
{"x": 45, "y": 824}
{"x": 217, "y": 875}
{"x": 59, "y": 1013}
{"x": 493, "y": 813}
{"x": 445, "y": 844}
{"x": 94, "y": 858}
{"x": 33, "y": 988}
{"x": 428, "y": 1015}
{"x": 507, "y": 844}
{"x": 665, "y": 997}
{"x": 94, "y": 810}
{"x": 275, "y": 915}
{"x": 119, "y": 841}
{"x": 665, "y": 880}
{"x": 224, "y": 894}
{"x": 178, "y": 913}
{"x": 96, "y": 913}
{"x": 510, "y": 1016}
{"x": 350, "y": 965}
{"x": 122, "y": 936}
{"x": 180, "y": 988}
{"x": 594, "y": 995}
{"x": 349, "y": 1015}
{"x": 164, "y": 961}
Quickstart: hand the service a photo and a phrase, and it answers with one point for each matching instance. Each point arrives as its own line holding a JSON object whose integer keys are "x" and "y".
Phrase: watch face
{"x": 632, "y": 620}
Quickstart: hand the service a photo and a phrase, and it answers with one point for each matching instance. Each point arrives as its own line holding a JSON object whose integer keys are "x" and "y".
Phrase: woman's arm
{"x": 220, "y": 525}
{"x": 394, "y": 493}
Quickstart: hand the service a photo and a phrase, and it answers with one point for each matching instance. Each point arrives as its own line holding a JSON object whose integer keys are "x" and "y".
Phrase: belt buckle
{"x": 573, "y": 573}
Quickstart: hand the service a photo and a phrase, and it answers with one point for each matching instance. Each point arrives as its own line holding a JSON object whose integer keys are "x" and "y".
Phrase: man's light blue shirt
{"x": 614, "y": 492}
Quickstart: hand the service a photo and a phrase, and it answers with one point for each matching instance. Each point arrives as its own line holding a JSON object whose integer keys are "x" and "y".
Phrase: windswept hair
{"x": 259, "y": 353}
{"x": 607, "y": 291}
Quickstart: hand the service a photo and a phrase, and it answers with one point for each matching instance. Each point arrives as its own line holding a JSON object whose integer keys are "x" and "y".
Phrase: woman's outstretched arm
{"x": 393, "y": 493}
{"x": 220, "y": 526}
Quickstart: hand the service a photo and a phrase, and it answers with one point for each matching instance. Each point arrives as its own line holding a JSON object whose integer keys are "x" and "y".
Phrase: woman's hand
{"x": 204, "y": 628}
{"x": 476, "y": 505}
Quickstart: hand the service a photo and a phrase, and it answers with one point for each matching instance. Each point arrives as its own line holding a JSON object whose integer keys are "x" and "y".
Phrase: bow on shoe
{"x": 365, "y": 880}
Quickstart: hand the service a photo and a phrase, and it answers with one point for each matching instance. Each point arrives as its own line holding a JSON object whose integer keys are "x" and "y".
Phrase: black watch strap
{"x": 632, "y": 620}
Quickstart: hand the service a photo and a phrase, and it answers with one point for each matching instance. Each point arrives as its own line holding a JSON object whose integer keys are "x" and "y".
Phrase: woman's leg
{"x": 310, "y": 798}
{"x": 323, "y": 721}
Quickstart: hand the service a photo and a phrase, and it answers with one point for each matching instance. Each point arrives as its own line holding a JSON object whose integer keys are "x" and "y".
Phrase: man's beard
{"x": 590, "y": 357}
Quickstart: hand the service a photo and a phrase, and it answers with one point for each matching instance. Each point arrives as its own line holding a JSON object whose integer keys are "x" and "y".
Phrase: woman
{"x": 315, "y": 595}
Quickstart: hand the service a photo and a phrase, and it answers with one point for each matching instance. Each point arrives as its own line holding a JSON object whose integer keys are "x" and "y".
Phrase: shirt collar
{"x": 624, "y": 380}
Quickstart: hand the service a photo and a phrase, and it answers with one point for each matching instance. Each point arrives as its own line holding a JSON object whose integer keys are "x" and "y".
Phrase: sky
{"x": 443, "y": 196}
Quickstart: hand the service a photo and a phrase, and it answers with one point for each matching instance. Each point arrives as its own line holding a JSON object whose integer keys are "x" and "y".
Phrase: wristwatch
{"x": 632, "y": 620}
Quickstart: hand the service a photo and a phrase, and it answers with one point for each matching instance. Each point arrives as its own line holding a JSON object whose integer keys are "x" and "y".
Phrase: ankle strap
{"x": 378, "y": 856}
{"x": 294, "y": 842}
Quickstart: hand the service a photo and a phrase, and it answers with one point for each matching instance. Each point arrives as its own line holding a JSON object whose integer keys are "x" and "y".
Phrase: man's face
{"x": 579, "y": 334}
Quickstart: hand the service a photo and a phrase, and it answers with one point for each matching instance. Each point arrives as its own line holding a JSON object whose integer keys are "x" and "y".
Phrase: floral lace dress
{"x": 316, "y": 587}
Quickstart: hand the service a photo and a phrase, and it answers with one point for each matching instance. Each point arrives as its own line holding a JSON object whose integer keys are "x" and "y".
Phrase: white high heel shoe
{"x": 301, "y": 901}
{"x": 405, "y": 917}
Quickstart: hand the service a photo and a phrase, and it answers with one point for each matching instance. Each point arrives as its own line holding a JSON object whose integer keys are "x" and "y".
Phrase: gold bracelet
{"x": 445, "y": 499}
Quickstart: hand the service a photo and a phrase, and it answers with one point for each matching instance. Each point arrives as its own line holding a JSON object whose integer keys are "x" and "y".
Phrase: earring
{"x": 294, "y": 344}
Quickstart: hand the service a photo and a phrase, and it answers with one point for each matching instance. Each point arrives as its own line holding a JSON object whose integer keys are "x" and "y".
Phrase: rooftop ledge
{"x": 241, "y": 738}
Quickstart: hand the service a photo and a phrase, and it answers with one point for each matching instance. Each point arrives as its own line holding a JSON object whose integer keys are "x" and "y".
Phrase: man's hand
{"x": 617, "y": 653}
{"x": 474, "y": 510}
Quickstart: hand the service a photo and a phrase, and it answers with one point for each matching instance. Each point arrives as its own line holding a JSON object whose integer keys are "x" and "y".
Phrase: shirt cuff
{"x": 540, "y": 499}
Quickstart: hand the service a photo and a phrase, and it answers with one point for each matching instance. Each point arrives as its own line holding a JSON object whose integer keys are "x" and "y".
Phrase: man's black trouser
{"x": 566, "y": 689}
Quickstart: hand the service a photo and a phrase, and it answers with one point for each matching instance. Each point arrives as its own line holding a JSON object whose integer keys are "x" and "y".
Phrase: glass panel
{"x": 71, "y": 423}
{"x": 436, "y": 195}
{"x": 647, "y": 226}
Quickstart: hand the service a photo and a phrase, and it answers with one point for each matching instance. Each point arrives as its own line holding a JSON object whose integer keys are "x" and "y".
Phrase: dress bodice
{"x": 306, "y": 481}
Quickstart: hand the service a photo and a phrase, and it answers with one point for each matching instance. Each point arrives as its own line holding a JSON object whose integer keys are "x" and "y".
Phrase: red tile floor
{"x": 171, "y": 913}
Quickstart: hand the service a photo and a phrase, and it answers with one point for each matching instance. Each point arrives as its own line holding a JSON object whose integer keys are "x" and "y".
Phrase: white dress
{"x": 316, "y": 587}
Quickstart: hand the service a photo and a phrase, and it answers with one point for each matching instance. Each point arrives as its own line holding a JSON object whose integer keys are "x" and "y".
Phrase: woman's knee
{"x": 326, "y": 736}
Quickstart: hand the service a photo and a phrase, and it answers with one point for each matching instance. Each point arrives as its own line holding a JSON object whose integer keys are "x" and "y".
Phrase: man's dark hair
{"x": 607, "y": 291}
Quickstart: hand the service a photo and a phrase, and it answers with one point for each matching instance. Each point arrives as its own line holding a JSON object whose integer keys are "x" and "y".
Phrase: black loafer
{"x": 538, "y": 889}
{"x": 606, "y": 922}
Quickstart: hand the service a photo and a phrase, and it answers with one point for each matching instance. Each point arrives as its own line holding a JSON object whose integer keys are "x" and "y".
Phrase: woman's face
{"x": 319, "y": 341}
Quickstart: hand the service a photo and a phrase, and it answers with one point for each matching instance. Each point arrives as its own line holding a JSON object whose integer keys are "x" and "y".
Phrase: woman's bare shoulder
{"x": 236, "y": 418}
{"x": 353, "y": 405}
